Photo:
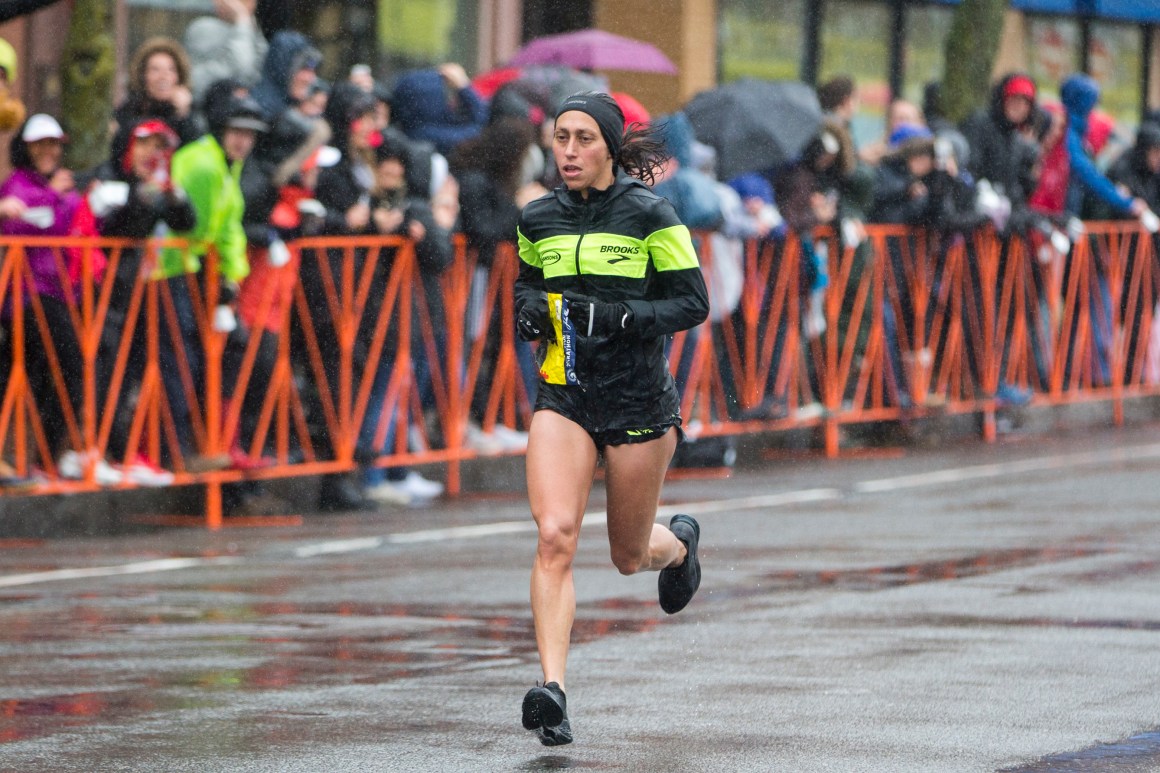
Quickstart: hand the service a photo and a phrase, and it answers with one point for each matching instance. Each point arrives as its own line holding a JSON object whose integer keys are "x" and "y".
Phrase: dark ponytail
{"x": 642, "y": 152}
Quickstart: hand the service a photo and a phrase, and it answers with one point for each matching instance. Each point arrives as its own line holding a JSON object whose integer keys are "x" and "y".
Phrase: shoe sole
{"x": 556, "y": 736}
{"x": 541, "y": 711}
{"x": 691, "y": 560}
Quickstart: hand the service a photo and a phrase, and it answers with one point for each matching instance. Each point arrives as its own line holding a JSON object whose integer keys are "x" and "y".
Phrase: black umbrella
{"x": 10, "y": 9}
{"x": 755, "y": 124}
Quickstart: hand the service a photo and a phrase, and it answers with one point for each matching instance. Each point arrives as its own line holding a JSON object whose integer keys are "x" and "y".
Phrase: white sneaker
{"x": 143, "y": 473}
{"x": 485, "y": 443}
{"x": 809, "y": 411}
{"x": 419, "y": 487}
{"x": 71, "y": 465}
{"x": 415, "y": 441}
{"x": 388, "y": 492}
{"x": 511, "y": 439}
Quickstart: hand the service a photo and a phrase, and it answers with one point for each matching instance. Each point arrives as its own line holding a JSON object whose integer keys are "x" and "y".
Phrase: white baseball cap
{"x": 42, "y": 127}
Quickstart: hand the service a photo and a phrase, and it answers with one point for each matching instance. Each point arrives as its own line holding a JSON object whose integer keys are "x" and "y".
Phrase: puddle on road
{"x": 879, "y": 577}
{"x": 966, "y": 621}
{"x": 25, "y": 718}
{"x": 296, "y": 646}
{"x": 1137, "y": 752}
{"x": 334, "y": 643}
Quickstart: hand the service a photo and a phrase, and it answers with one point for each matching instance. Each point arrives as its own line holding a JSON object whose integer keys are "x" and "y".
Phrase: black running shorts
{"x": 607, "y": 423}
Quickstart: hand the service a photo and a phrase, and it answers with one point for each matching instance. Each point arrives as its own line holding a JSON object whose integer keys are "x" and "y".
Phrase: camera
{"x": 943, "y": 152}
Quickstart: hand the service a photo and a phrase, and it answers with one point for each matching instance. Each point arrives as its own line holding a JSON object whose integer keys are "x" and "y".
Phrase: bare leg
{"x": 634, "y": 474}
{"x": 561, "y": 462}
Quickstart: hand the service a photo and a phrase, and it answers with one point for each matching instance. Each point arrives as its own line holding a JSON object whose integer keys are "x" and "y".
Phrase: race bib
{"x": 559, "y": 363}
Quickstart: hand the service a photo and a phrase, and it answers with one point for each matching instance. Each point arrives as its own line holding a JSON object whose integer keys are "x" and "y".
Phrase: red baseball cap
{"x": 154, "y": 127}
{"x": 1020, "y": 86}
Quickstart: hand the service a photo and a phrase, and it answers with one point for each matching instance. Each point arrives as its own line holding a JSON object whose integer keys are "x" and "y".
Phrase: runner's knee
{"x": 557, "y": 540}
{"x": 628, "y": 561}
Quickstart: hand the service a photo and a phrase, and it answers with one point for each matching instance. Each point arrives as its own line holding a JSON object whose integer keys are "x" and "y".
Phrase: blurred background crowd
{"x": 237, "y": 144}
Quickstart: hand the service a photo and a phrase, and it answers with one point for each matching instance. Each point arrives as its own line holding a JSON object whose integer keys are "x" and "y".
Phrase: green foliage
{"x": 420, "y": 28}
{"x": 970, "y": 55}
{"x": 88, "y": 67}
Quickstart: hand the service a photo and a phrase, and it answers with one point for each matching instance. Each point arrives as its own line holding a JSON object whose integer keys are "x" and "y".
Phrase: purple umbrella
{"x": 593, "y": 49}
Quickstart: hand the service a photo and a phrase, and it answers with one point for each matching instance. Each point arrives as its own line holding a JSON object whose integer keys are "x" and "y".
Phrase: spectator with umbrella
{"x": 755, "y": 125}
{"x": 594, "y": 49}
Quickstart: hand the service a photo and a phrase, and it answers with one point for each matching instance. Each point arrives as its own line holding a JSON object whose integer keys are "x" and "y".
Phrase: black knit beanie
{"x": 604, "y": 111}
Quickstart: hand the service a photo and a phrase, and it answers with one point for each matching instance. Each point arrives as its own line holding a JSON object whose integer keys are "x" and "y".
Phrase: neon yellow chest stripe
{"x": 600, "y": 254}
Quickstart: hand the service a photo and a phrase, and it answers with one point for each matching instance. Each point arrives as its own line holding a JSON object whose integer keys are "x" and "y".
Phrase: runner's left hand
{"x": 596, "y": 318}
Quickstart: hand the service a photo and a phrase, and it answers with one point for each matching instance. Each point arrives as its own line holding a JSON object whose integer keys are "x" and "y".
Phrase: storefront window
{"x": 1052, "y": 52}
{"x": 927, "y": 28}
{"x": 760, "y": 39}
{"x": 856, "y": 42}
{"x": 421, "y": 33}
{"x": 147, "y": 18}
{"x": 1114, "y": 53}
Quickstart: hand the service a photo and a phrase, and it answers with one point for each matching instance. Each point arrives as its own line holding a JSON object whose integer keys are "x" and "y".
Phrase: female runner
{"x": 607, "y": 272}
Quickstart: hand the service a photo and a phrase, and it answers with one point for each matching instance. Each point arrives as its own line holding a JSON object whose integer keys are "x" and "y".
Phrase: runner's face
{"x": 581, "y": 153}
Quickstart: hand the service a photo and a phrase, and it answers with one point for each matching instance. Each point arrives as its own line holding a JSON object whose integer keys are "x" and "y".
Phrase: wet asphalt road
{"x": 978, "y": 609}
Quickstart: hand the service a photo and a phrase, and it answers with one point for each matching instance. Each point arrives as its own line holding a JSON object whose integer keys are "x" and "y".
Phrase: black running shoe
{"x": 546, "y": 712}
{"x": 678, "y": 584}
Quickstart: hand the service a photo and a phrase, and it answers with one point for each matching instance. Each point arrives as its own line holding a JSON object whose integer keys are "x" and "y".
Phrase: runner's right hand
{"x": 533, "y": 321}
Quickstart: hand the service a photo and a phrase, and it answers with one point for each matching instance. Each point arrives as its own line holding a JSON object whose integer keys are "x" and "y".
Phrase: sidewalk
{"x": 128, "y": 511}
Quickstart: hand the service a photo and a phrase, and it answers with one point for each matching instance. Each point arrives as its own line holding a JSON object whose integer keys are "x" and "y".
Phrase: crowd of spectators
{"x": 1029, "y": 170}
{"x": 236, "y": 144}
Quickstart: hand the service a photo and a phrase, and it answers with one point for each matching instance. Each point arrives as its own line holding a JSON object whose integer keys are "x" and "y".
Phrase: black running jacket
{"x": 623, "y": 244}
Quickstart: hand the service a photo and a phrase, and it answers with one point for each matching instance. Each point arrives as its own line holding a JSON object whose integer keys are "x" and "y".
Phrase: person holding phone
{"x": 39, "y": 198}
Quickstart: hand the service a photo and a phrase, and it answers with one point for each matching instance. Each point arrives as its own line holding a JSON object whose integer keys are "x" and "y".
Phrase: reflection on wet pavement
{"x": 878, "y": 577}
{"x": 297, "y": 644}
{"x": 1140, "y": 752}
{"x": 155, "y": 657}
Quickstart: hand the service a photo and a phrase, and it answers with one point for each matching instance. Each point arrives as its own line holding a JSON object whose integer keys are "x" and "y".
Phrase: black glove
{"x": 592, "y": 317}
{"x": 533, "y": 321}
{"x": 227, "y": 291}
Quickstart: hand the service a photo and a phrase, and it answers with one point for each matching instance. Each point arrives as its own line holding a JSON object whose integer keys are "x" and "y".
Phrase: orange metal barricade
{"x": 363, "y": 347}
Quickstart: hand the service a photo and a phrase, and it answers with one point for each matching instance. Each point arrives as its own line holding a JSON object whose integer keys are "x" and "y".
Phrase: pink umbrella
{"x": 593, "y": 49}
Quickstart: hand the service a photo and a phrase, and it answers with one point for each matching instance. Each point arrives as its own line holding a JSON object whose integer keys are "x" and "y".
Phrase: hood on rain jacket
{"x": 423, "y": 109}
{"x": 1131, "y": 170}
{"x": 1079, "y": 95}
{"x": 288, "y": 52}
{"x": 998, "y": 152}
{"x": 212, "y": 184}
